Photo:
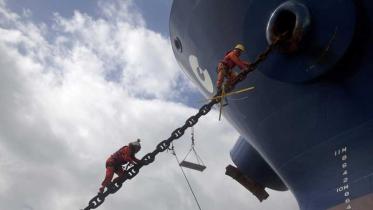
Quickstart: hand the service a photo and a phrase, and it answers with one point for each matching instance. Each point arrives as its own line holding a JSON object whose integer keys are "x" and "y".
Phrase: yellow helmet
{"x": 240, "y": 47}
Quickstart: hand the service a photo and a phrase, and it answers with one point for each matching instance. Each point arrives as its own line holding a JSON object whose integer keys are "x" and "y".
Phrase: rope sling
{"x": 199, "y": 166}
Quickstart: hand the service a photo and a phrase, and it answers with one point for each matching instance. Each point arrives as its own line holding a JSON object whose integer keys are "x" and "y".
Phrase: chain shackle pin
{"x": 96, "y": 201}
{"x": 163, "y": 146}
{"x": 177, "y": 133}
{"x": 191, "y": 121}
{"x": 114, "y": 186}
{"x": 132, "y": 172}
{"x": 147, "y": 159}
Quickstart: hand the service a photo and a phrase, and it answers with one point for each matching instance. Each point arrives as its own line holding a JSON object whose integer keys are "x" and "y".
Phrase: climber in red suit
{"x": 114, "y": 163}
{"x": 225, "y": 66}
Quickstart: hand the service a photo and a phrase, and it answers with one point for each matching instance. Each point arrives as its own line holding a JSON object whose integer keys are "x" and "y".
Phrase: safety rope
{"x": 114, "y": 186}
{"x": 186, "y": 178}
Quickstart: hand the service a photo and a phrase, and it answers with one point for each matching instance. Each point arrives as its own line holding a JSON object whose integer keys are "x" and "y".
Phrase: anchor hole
{"x": 285, "y": 22}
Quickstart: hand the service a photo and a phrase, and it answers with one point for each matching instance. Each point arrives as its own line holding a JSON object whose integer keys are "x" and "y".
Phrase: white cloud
{"x": 142, "y": 57}
{"x": 73, "y": 93}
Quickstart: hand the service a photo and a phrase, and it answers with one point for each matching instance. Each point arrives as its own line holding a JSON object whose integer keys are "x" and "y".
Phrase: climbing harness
{"x": 114, "y": 186}
{"x": 172, "y": 148}
{"x": 199, "y": 166}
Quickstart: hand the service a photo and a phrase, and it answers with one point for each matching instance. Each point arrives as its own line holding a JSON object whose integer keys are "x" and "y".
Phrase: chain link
{"x": 176, "y": 134}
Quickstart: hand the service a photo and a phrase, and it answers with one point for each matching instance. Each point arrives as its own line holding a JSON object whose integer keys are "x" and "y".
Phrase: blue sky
{"x": 61, "y": 116}
{"x": 155, "y": 12}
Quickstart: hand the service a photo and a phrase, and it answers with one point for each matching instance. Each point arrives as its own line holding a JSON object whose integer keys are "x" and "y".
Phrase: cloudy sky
{"x": 81, "y": 78}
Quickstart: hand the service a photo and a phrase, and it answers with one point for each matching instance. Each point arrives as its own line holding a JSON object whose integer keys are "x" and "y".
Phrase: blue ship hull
{"x": 308, "y": 125}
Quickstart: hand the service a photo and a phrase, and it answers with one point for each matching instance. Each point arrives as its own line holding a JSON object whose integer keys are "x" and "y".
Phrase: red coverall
{"x": 114, "y": 164}
{"x": 231, "y": 59}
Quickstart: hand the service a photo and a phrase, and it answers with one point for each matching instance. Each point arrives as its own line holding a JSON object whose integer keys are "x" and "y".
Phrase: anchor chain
{"x": 114, "y": 186}
{"x": 149, "y": 158}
